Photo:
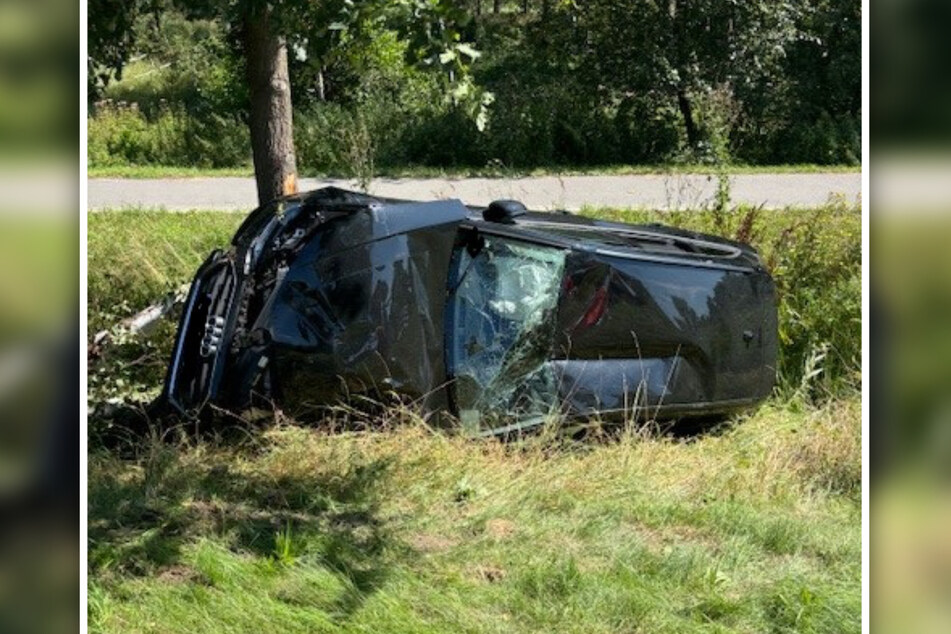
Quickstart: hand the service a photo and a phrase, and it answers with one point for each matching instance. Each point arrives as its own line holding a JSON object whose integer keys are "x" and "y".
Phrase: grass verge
{"x": 170, "y": 171}
{"x": 137, "y": 256}
{"x": 406, "y": 529}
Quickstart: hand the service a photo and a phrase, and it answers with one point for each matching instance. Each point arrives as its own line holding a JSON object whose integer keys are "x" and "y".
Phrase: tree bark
{"x": 496, "y": 6}
{"x": 686, "y": 109}
{"x": 271, "y": 121}
{"x": 676, "y": 27}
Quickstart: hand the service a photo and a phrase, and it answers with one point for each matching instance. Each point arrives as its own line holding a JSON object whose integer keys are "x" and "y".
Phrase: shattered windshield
{"x": 502, "y": 320}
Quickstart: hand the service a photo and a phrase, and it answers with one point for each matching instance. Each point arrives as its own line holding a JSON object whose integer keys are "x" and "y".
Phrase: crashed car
{"x": 498, "y": 316}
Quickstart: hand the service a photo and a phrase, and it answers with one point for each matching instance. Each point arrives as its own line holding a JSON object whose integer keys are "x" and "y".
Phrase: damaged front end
{"x": 498, "y": 316}
{"x": 322, "y": 295}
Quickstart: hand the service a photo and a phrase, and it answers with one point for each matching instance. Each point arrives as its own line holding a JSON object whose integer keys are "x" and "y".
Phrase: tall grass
{"x": 409, "y": 529}
{"x": 120, "y": 134}
{"x": 136, "y": 258}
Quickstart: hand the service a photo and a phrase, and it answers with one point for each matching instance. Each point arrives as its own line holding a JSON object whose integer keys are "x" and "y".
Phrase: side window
{"x": 503, "y": 294}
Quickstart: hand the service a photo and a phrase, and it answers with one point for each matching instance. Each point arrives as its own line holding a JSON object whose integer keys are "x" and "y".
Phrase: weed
{"x": 285, "y": 549}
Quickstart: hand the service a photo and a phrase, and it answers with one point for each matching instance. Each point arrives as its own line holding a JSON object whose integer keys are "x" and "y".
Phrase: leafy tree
{"x": 685, "y": 49}
{"x": 388, "y": 82}
{"x": 264, "y": 32}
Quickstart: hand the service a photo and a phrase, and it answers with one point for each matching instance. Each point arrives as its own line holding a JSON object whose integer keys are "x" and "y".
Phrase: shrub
{"x": 827, "y": 141}
{"x": 121, "y": 134}
{"x": 816, "y": 262}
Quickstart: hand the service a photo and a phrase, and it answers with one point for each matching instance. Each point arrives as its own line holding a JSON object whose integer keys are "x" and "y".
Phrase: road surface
{"x": 655, "y": 191}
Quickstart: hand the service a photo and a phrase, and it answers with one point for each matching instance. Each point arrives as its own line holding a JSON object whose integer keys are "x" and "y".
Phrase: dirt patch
{"x": 429, "y": 543}
{"x": 179, "y": 574}
{"x": 499, "y": 528}
{"x": 489, "y": 573}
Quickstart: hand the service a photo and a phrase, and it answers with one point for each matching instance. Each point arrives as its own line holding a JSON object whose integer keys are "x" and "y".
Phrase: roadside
{"x": 410, "y": 529}
{"x": 648, "y": 191}
{"x": 171, "y": 171}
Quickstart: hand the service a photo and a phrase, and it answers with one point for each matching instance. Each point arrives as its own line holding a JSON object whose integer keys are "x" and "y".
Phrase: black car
{"x": 498, "y": 316}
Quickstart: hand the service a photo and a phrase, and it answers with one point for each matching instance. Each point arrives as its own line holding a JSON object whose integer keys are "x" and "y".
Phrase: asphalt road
{"x": 678, "y": 191}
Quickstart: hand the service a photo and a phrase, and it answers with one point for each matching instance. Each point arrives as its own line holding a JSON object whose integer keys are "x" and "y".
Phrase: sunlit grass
{"x": 171, "y": 171}
{"x": 409, "y": 529}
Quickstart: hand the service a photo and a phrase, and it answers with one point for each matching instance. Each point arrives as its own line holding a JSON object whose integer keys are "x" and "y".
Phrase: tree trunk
{"x": 496, "y": 6}
{"x": 686, "y": 109}
{"x": 271, "y": 123}
{"x": 676, "y": 27}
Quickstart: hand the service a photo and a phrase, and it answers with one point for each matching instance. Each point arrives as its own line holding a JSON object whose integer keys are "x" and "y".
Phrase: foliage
{"x": 111, "y": 37}
{"x": 121, "y": 134}
{"x": 575, "y": 85}
{"x": 137, "y": 258}
{"x": 203, "y": 41}
{"x": 185, "y": 63}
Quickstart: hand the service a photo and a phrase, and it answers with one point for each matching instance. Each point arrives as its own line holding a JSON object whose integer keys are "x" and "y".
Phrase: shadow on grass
{"x": 143, "y": 513}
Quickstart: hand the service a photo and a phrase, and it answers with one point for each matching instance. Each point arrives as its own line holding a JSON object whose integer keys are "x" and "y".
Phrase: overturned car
{"x": 498, "y": 316}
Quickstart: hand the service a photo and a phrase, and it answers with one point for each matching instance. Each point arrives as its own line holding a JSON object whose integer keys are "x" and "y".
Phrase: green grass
{"x": 408, "y": 529}
{"x": 162, "y": 171}
{"x": 405, "y": 529}
{"x": 158, "y": 171}
{"x": 137, "y": 256}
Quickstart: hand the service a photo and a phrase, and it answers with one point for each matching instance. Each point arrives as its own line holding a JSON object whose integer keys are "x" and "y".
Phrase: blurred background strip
{"x": 39, "y": 293}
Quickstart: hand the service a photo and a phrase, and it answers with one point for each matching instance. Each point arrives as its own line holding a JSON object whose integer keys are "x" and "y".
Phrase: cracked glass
{"x": 502, "y": 302}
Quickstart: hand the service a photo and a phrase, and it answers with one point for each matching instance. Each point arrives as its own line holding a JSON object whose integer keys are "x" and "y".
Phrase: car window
{"x": 501, "y": 322}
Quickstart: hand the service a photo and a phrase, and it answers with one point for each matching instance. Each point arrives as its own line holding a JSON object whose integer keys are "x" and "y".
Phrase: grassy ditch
{"x": 405, "y": 528}
{"x": 136, "y": 257}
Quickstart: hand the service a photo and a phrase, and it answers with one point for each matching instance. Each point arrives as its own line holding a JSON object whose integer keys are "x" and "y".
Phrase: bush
{"x": 120, "y": 134}
{"x": 816, "y": 262}
{"x": 827, "y": 141}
